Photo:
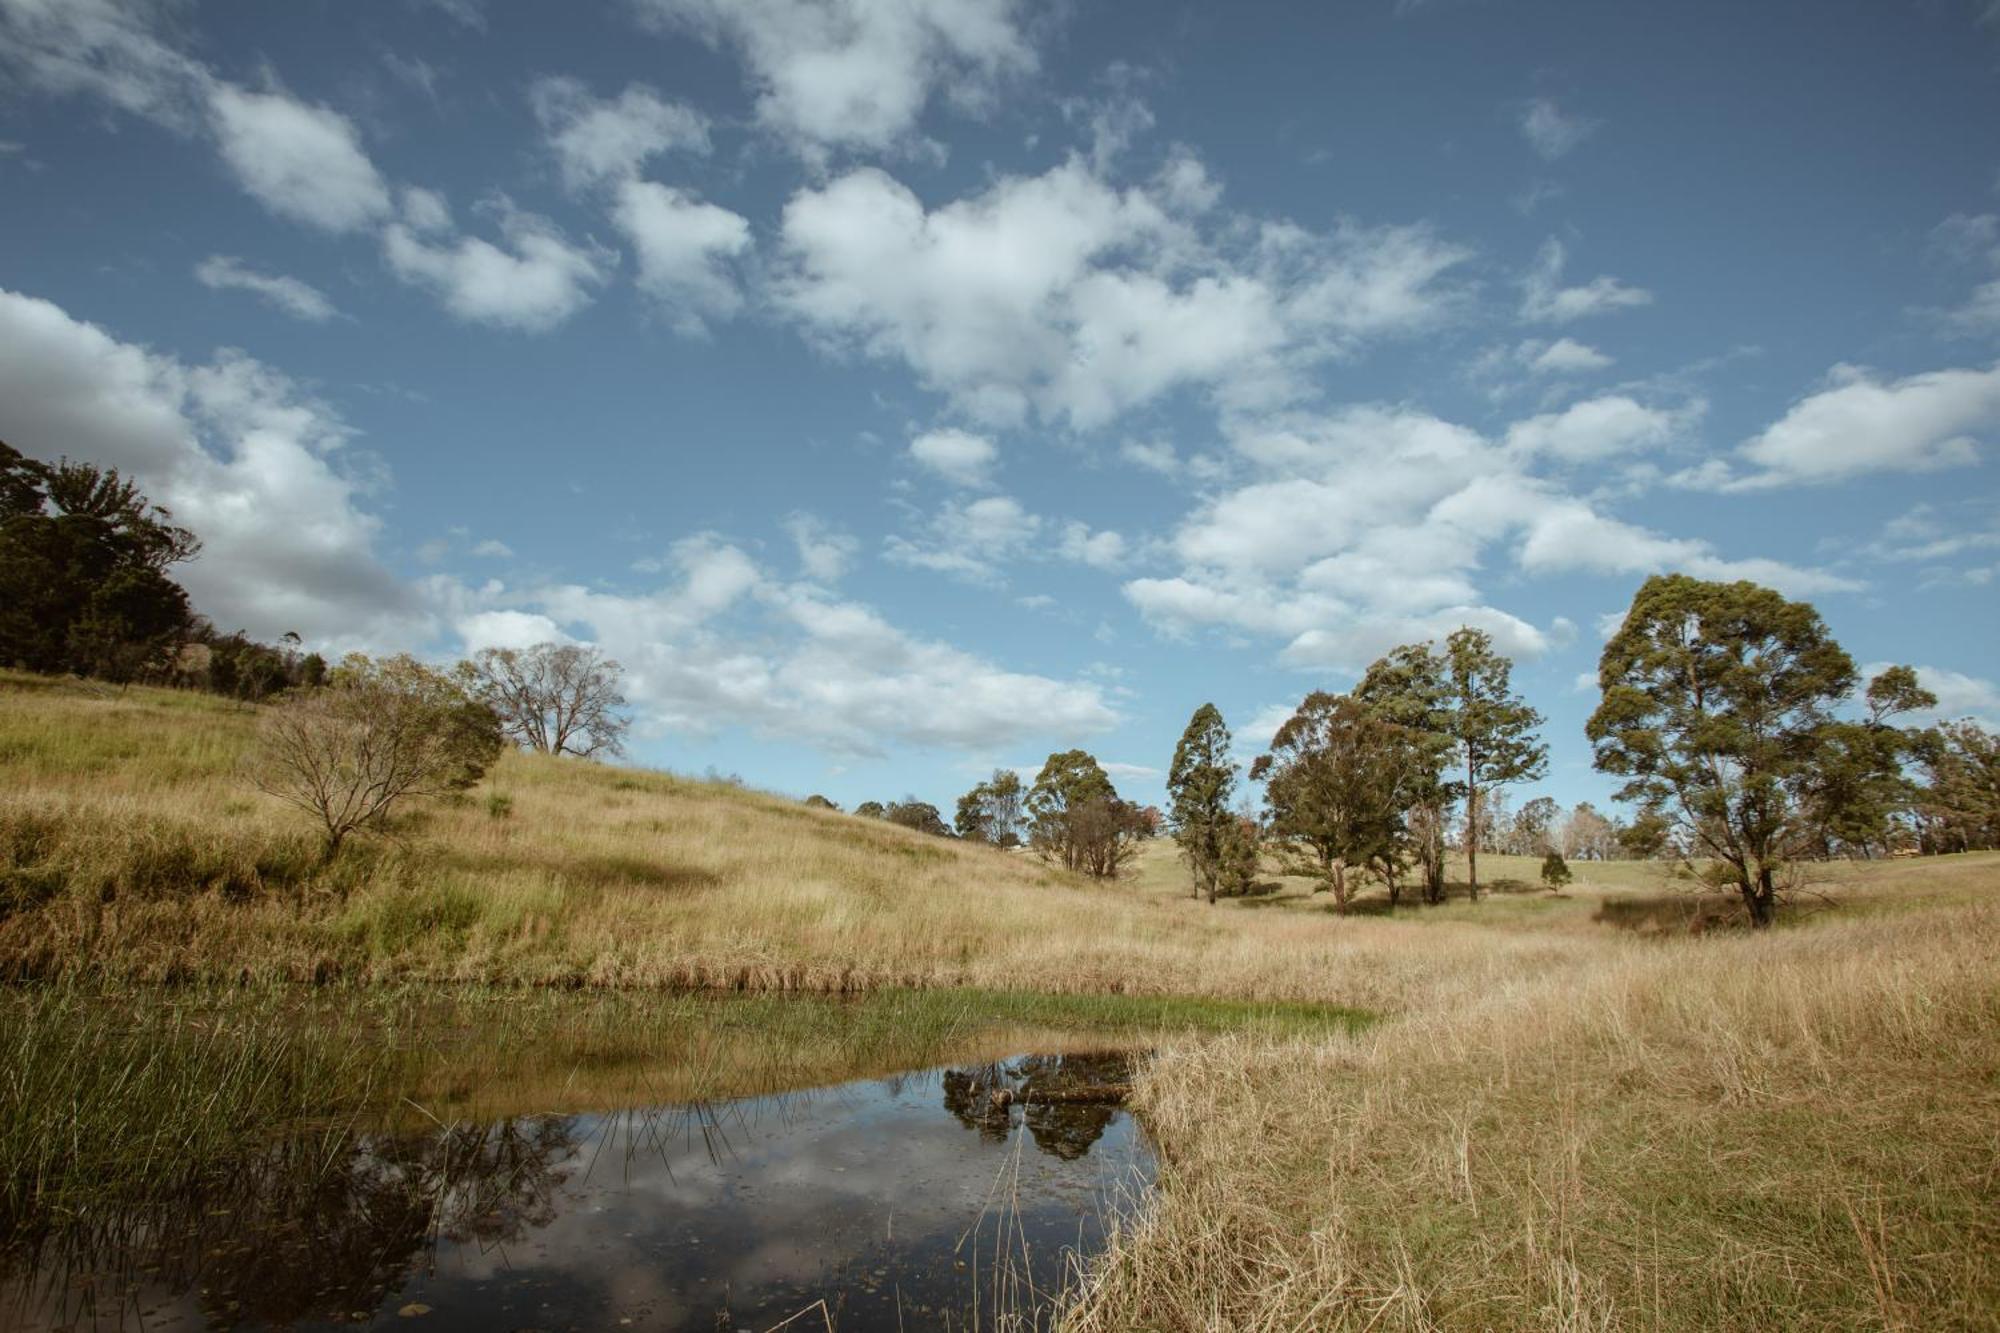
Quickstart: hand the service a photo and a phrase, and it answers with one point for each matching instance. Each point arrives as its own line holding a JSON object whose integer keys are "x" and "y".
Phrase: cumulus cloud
{"x": 299, "y": 299}
{"x": 235, "y": 450}
{"x": 1973, "y": 239}
{"x": 969, "y": 540}
{"x": 857, "y": 74}
{"x": 685, "y": 248}
{"x": 958, "y": 456}
{"x": 1545, "y": 300}
{"x": 302, "y": 162}
{"x": 1367, "y": 526}
{"x": 597, "y": 140}
{"x": 1862, "y": 422}
{"x": 1594, "y": 429}
{"x": 724, "y": 644}
{"x": 1551, "y": 131}
{"x": 533, "y": 281}
{"x": 1564, "y": 356}
{"x": 1067, "y": 297}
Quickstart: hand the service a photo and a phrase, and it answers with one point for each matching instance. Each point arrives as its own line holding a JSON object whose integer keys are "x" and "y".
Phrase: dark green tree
{"x": 1958, "y": 805}
{"x": 1492, "y": 728}
{"x": 83, "y": 581}
{"x": 1200, "y": 783}
{"x": 911, "y": 813}
{"x": 1337, "y": 780}
{"x": 1408, "y": 688}
{"x": 994, "y": 810}
{"x": 1555, "y": 871}
{"x": 1716, "y": 708}
{"x": 871, "y": 810}
{"x": 1861, "y": 795}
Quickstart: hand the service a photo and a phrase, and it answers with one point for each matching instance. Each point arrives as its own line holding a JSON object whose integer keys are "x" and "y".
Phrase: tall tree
{"x": 1860, "y": 793}
{"x": 1958, "y": 807}
{"x": 558, "y": 698}
{"x": 83, "y": 571}
{"x": 1200, "y": 783}
{"x": 1534, "y": 827}
{"x": 1336, "y": 779}
{"x": 1492, "y": 727}
{"x": 1408, "y": 688}
{"x": 1717, "y": 700}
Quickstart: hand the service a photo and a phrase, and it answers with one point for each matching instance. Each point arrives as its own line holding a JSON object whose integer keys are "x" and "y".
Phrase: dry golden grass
{"x": 1559, "y": 1123}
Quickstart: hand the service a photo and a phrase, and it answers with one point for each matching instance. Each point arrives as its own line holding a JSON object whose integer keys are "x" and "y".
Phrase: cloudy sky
{"x": 901, "y": 388}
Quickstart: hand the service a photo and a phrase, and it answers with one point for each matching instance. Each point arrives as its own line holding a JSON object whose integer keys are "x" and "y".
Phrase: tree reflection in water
{"x": 1062, "y": 1129}
{"x": 318, "y": 1226}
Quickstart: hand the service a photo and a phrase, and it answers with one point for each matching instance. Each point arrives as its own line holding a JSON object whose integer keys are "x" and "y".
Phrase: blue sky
{"x": 905, "y": 389}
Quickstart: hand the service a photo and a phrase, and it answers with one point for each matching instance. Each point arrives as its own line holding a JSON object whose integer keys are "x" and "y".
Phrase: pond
{"x": 959, "y": 1196}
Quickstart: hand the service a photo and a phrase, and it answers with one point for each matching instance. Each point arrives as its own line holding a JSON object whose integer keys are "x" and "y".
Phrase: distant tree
{"x": 911, "y": 813}
{"x": 1240, "y": 856}
{"x": 1588, "y": 835}
{"x": 1716, "y": 707}
{"x": 1860, "y": 794}
{"x": 312, "y": 671}
{"x": 1534, "y": 827}
{"x": 818, "y": 802}
{"x": 1492, "y": 728}
{"x": 1336, "y": 780}
{"x": 1077, "y": 819}
{"x": 83, "y": 572}
{"x": 378, "y": 734}
{"x": 995, "y": 811}
{"x": 1648, "y": 837}
{"x": 1152, "y": 821}
{"x": 1200, "y": 784}
{"x": 558, "y": 698}
{"x": 1958, "y": 805}
{"x": 1555, "y": 872}
{"x": 1408, "y": 688}
{"x": 871, "y": 810}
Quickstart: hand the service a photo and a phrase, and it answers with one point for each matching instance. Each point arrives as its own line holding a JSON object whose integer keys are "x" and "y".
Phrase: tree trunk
{"x": 1762, "y": 900}
{"x": 1471, "y": 832}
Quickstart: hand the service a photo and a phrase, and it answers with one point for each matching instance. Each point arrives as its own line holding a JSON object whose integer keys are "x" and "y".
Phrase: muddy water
{"x": 912, "y": 1202}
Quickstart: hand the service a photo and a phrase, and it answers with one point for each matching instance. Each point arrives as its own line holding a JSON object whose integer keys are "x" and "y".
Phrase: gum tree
{"x": 1200, "y": 782}
{"x": 1717, "y": 712}
{"x": 1492, "y": 728}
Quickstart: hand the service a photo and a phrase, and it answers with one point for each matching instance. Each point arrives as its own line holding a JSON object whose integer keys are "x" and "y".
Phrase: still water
{"x": 911, "y": 1202}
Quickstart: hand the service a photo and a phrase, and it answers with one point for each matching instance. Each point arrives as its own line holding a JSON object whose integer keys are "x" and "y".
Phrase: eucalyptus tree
{"x": 558, "y": 698}
{"x": 1200, "y": 783}
{"x": 995, "y": 811}
{"x": 1337, "y": 779}
{"x": 1717, "y": 711}
{"x": 1408, "y": 688}
{"x": 1491, "y": 727}
{"x": 1077, "y": 819}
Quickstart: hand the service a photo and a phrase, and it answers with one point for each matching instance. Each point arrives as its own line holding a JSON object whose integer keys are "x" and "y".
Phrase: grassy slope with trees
{"x": 1555, "y": 1123}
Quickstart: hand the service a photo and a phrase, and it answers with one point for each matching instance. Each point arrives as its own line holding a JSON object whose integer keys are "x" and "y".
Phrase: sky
{"x": 902, "y": 389}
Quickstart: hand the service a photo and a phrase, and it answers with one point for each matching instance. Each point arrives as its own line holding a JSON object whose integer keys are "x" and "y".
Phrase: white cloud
{"x": 536, "y": 282}
{"x": 507, "y": 629}
{"x": 1861, "y": 423}
{"x": 1152, "y": 455}
{"x": 493, "y": 549}
{"x": 1552, "y": 132}
{"x": 825, "y": 553}
{"x": 296, "y": 298}
{"x": 1101, "y": 549}
{"x": 302, "y": 162}
{"x": 1972, "y": 239}
{"x": 685, "y": 247}
{"x": 1594, "y": 429}
{"x": 102, "y": 48}
{"x": 958, "y": 456}
{"x": 1364, "y": 527}
{"x": 857, "y": 74}
{"x": 969, "y": 540}
{"x": 727, "y": 645}
{"x": 597, "y": 140}
{"x": 234, "y": 450}
{"x": 1064, "y": 296}
{"x": 1564, "y": 356}
{"x": 1546, "y": 301}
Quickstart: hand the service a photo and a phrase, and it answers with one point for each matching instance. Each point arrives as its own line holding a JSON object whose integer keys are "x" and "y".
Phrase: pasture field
{"x": 1607, "y": 1108}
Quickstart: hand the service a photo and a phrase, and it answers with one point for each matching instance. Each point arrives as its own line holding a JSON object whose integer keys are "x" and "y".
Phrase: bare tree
{"x": 378, "y": 734}
{"x": 559, "y": 698}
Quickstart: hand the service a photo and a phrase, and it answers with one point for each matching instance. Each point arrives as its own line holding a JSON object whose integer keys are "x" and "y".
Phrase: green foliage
{"x": 1339, "y": 777}
{"x": 871, "y": 810}
{"x": 1958, "y": 809}
{"x": 1555, "y": 871}
{"x": 995, "y": 811}
{"x": 1200, "y": 783}
{"x": 1077, "y": 819}
{"x": 499, "y": 805}
{"x": 1408, "y": 688}
{"x": 1716, "y": 713}
{"x": 83, "y": 561}
{"x": 1494, "y": 729}
{"x": 819, "y": 802}
{"x": 922, "y": 816}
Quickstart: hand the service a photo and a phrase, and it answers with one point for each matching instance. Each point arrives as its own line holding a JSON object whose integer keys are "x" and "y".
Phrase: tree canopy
{"x": 1200, "y": 783}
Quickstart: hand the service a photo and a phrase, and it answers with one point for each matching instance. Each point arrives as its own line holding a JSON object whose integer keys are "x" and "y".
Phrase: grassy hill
{"x": 1572, "y": 1113}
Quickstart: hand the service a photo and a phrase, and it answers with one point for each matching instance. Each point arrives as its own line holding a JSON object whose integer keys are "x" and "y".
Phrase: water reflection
{"x": 870, "y": 1197}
